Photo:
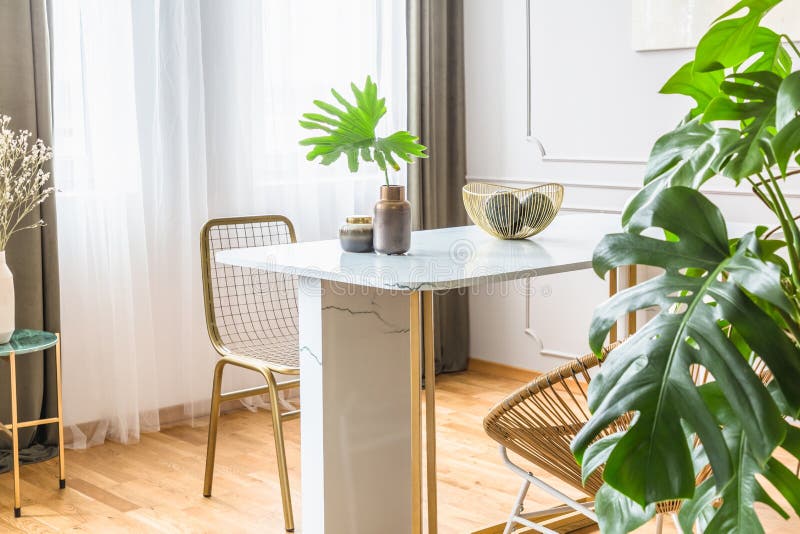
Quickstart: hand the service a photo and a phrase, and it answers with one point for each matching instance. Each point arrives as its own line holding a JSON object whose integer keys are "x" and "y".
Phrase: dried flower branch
{"x": 22, "y": 180}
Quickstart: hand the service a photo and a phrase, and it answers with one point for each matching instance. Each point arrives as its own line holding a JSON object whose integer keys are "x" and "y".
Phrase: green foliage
{"x": 736, "y": 512}
{"x": 688, "y": 156}
{"x": 722, "y": 302}
{"x": 617, "y": 513}
{"x": 730, "y": 41}
{"x": 650, "y": 373}
{"x": 750, "y": 98}
{"x": 774, "y": 57}
{"x": 701, "y": 86}
{"x": 350, "y": 131}
{"x": 787, "y": 141}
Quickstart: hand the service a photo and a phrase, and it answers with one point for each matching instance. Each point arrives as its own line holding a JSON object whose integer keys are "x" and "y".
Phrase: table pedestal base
{"x": 356, "y": 398}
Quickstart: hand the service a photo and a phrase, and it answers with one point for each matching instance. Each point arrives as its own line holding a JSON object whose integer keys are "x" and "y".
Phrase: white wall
{"x": 597, "y": 111}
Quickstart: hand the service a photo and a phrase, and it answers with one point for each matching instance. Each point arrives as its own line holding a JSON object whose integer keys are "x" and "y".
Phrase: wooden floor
{"x": 156, "y": 486}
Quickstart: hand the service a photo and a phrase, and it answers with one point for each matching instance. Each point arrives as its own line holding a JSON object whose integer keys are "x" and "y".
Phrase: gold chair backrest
{"x": 245, "y": 306}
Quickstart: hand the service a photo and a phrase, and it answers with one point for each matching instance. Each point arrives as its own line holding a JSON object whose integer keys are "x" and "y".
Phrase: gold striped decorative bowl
{"x": 511, "y": 213}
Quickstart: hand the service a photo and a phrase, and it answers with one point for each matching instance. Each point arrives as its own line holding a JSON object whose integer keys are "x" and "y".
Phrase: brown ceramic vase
{"x": 392, "y": 221}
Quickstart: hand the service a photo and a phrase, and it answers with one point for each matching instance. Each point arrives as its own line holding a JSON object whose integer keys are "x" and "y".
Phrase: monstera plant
{"x": 728, "y": 304}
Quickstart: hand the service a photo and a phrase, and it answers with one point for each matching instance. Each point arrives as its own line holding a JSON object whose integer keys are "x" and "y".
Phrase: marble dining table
{"x": 365, "y": 330}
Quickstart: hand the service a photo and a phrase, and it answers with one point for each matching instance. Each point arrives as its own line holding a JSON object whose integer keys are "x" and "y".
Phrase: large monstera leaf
{"x": 698, "y": 150}
{"x": 702, "y": 87}
{"x": 350, "y": 131}
{"x": 787, "y": 140}
{"x": 688, "y": 156}
{"x": 751, "y": 99}
{"x": 708, "y": 282}
{"x": 773, "y": 56}
{"x": 617, "y": 514}
{"x": 736, "y": 513}
{"x": 729, "y": 41}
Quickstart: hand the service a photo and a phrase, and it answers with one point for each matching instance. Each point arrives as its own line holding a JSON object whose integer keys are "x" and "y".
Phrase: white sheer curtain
{"x": 168, "y": 113}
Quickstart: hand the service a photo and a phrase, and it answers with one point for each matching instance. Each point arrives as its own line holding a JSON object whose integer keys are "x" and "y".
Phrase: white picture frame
{"x": 676, "y": 24}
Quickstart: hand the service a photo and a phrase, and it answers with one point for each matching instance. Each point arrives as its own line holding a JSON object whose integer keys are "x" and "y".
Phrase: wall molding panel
{"x": 581, "y": 130}
{"x": 546, "y": 156}
{"x": 791, "y": 192}
{"x": 537, "y": 140}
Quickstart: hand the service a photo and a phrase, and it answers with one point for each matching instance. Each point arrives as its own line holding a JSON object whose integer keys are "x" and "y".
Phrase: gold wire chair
{"x": 539, "y": 421}
{"x": 251, "y": 317}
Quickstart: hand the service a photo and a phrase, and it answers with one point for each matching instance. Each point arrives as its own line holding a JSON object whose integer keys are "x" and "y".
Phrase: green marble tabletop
{"x": 27, "y": 341}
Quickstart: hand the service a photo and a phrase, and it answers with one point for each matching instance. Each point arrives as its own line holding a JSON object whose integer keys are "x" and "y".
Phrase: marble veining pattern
{"x": 355, "y": 391}
{"x": 394, "y": 329}
{"x": 307, "y": 350}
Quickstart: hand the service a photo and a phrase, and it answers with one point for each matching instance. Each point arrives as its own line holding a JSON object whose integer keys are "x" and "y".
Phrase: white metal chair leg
{"x": 659, "y": 523}
{"x": 516, "y": 515}
{"x": 572, "y": 503}
{"x": 676, "y": 521}
{"x": 517, "y": 510}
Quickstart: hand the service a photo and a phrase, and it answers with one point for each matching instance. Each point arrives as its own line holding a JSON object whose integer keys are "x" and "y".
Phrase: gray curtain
{"x": 436, "y": 114}
{"x": 32, "y": 255}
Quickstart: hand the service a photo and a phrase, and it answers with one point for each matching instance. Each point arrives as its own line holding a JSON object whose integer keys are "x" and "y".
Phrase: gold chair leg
{"x": 62, "y": 471}
{"x": 416, "y": 431}
{"x": 280, "y": 450}
{"x": 212, "y": 427}
{"x": 12, "y": 363}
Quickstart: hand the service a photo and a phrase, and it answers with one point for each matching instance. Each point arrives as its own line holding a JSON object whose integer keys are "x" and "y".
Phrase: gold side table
{"x": 27, "y": 342}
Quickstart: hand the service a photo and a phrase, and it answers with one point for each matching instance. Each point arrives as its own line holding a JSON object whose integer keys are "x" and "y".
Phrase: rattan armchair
{"x": 539, "y": 421}
{"x": 251, "y": 317}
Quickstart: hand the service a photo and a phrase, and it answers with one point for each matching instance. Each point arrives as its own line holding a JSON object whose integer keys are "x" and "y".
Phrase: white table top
{"x": 440, "y": 259}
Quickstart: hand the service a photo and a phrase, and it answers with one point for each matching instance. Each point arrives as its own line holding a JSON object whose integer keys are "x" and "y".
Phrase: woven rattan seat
{"x": 539, "y": 420}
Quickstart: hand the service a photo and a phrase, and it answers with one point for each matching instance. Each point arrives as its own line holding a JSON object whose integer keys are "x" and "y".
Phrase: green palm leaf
{"x": 350, "y": 131}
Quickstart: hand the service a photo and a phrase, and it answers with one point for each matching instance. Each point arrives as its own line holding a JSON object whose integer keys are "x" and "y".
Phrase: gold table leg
{"x": 612, "y": 290}
{"x": 430, "y": 406}
{"x": 416, "y": 434}
{"x": 422, "y": 336}
{"x": 12, "y": 362}
{"x": 62, "y": 471}
{"x": 632, "y": 281}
